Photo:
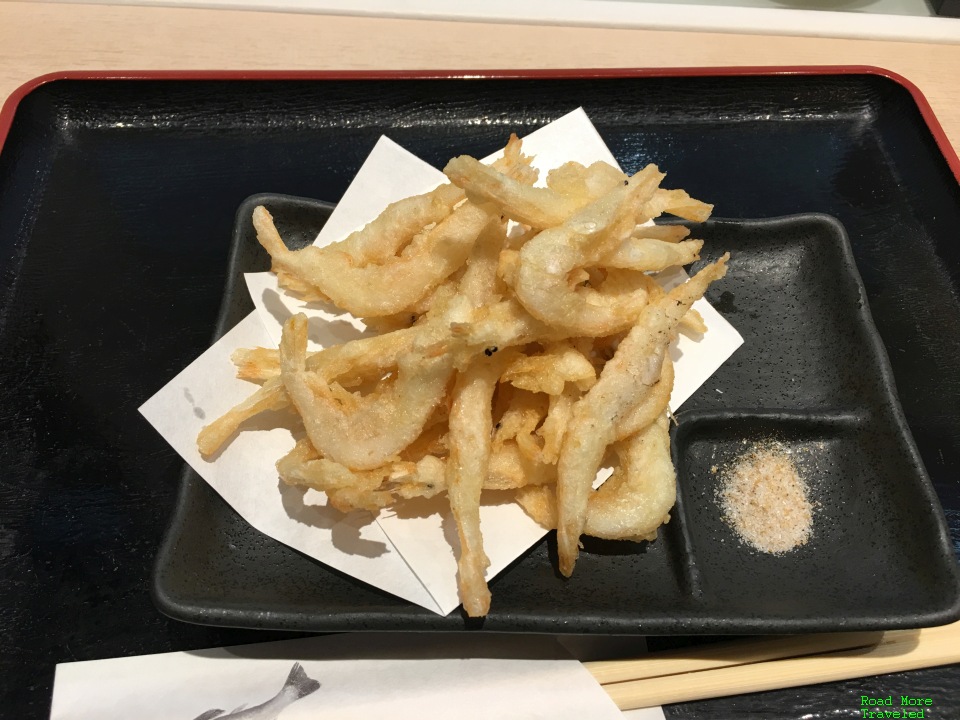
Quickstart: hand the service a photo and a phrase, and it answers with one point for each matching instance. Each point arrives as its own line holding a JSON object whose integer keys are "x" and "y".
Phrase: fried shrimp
{"x": 504, "y": 324}
{"x": 637, "y": 498}
{"x": 633, "y": 502}
{"x": 679, "y": 203}
{"x": 375, "y": 427}
{"x": 547, "y": 261}
{"x": 520, "y": 337}
{"x": 625, "y": 382}
{"x": 349, "y": 490}
{"x": 653, "y": 404}
{"x": 257, "y": 364}
{"x": 348, "y": 365}
{"x": 270, "y": 396}
{"x": 471, "y": 426}
{"x": 570, "y": 190}
{"x": 410, "y": 248}
{"x": 549, "y": 371}
{"x": 554, "y": 425}
{"x": 652, "y": 255}
{"x": 430, "y": 257}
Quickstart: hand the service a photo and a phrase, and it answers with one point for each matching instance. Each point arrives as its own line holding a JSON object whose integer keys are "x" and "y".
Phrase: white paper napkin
{"x": 418, "y": 535}
{"x": 468, "y": 677}
{"x": 245, "y": 475}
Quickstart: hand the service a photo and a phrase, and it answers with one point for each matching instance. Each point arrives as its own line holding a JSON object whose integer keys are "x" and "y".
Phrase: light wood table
{"x": 38, "y": 38}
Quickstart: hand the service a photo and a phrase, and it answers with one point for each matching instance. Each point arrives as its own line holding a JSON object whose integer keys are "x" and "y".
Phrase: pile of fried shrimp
{"x": 523, "y": 343}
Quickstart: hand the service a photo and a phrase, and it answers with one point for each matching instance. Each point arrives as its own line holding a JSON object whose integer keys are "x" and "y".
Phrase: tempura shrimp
{"x": 626, "y": 380}
{"x": 633, "y": 502}
{"x": 363, "y": 432}
{"x": 548, "y": 260}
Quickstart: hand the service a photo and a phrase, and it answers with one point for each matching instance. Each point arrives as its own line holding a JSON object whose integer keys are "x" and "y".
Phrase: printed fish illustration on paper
{"x": 298, "y": 685}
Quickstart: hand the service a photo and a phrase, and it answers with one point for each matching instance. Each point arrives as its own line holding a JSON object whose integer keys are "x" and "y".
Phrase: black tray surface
{"x": 116, "y": 205}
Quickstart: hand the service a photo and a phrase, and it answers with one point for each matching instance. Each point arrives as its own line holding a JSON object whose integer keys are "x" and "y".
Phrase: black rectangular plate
{"x": 116, "y": 202}
{"x": 812, "y": 374}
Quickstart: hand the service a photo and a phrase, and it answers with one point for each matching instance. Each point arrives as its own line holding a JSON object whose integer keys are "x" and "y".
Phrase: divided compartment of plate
{"x": 857, "y": 554}
{"x": 812, "y": 374}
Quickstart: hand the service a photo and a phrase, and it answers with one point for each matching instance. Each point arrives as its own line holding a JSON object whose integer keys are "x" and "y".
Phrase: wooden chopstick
{"x": 771, "y": 663}
{"x": 727, "y": 654}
